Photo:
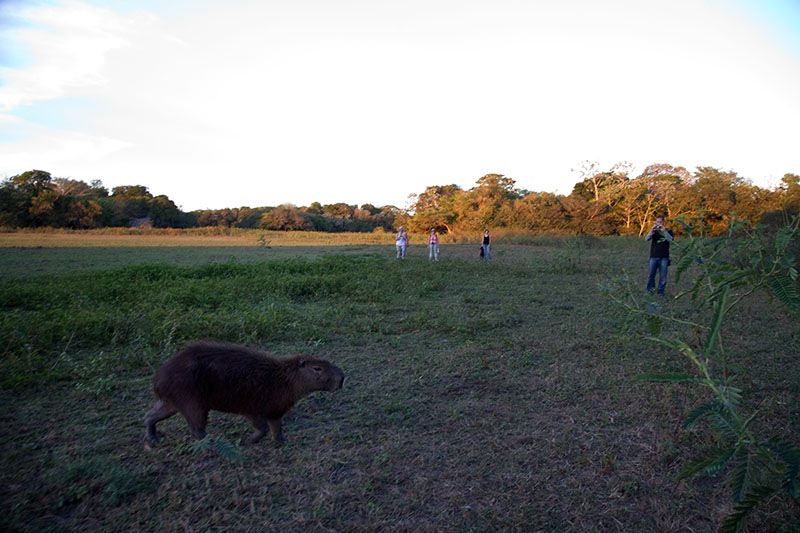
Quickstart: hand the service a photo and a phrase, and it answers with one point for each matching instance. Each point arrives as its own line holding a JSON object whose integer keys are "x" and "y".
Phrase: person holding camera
{"x": 401, "y": 242}
{"x": 659, "y": 237}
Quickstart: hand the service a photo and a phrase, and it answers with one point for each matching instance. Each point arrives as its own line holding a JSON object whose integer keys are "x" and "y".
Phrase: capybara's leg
{"x": 196, "y": 417}
{"x": 261, "y": 424}
{"x": 275, "y": 427}
{"x": 159, "y": 412}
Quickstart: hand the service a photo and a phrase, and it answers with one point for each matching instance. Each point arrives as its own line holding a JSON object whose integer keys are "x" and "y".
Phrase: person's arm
{"x": 667, "y": 234}
{"x": 650, "y": 234}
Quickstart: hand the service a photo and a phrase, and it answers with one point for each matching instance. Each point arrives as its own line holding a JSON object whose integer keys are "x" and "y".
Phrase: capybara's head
{"x": 318, "y": 374}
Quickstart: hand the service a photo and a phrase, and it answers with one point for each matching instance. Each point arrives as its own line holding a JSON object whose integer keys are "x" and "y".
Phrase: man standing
{"x": 659, "y": 238}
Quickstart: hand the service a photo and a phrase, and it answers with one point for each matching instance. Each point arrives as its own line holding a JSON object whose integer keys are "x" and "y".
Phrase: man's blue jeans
{"x": 660, "y": 264}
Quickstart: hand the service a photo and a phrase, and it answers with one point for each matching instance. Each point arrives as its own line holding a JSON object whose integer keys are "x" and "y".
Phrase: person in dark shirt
{"x": 659, "y": 238}
{"x": 487, "y": 240}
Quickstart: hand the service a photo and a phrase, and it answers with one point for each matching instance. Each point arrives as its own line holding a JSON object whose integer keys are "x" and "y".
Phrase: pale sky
{"x": 254, "y": 103}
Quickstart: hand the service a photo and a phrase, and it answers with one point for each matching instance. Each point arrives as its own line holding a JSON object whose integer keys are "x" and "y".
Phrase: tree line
{"x": 35, "y": 199}
{"x": 602, "y": 202}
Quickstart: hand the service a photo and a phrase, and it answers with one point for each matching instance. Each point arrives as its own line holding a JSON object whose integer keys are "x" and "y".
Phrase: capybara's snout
{"x": 338, "y": 381}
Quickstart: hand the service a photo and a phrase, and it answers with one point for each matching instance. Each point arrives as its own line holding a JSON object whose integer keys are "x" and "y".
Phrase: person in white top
{"x": 401, "y": 242}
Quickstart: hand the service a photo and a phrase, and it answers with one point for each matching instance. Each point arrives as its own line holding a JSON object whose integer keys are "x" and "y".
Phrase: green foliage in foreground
{"x": 727, "y": 270}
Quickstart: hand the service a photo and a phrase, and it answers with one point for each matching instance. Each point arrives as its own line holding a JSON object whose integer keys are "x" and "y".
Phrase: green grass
{"x": 479, "y": 396}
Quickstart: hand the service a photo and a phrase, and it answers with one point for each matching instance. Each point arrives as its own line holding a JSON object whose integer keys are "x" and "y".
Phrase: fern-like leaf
{"x": 741, "y": 473}
{"x": 735, "y": 521}
{"x": 784, "y": 238}
{"x": 782, "y": 286}
{"x": 725, "y": 425}
{"x": 716, "y": 322}
{"x": 709, "y": 464}
{"x": 789, "y": 453}
{"x": 714, "y": 406}
{"x": 227, "y": 450}
{"x": 720, "y": 461}
{"x": 676, "y": 345}
{"x": 731, "y": 395}
{"x": 683, "y": 265}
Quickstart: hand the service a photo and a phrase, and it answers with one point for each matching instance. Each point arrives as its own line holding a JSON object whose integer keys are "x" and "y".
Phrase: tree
{"x": 131, "y": 191}
{"x": 629, "y": 197}
{"x": 483, "y": 206}
{"x": 664, "y": 184}
{"x": 496, "y": 187}
{"x": 712, "y": 196}
{"x": 540, "y": 212}
{"x": 589, "y": 181}
{"x": 286, "y": 218}
{"x": 82, "y": 213}
{"x": 130, "y": 201}
{"x": 790, "y": 192}
{"x": 339, "y": 210}
{"x": 32, "y": 182}
{"x": 164, "y": 213}
{"x": 435, "y": 208}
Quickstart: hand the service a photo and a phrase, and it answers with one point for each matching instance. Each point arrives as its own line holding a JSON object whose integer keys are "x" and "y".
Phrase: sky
{"x": 259, "y": 103}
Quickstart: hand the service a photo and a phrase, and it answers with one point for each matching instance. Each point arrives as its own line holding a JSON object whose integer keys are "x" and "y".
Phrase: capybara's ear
{"x": 302, "y": 362}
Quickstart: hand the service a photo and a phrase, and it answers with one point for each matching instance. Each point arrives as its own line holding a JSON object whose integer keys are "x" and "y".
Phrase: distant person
{"x": 659, "y": 237}
{"x": 401, "y": 242}
{"x": 487, "y": 240}
{"x": 433, "y": 246}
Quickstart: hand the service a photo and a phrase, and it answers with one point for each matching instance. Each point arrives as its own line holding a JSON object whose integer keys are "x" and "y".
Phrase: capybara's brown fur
{"x": 207, "y": 376}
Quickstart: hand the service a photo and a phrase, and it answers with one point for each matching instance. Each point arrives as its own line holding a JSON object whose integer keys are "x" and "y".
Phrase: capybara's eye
{"x": 317, "y": 369}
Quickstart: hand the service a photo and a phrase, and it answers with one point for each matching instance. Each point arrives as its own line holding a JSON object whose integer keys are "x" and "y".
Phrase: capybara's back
{"x": 208, "y": 376}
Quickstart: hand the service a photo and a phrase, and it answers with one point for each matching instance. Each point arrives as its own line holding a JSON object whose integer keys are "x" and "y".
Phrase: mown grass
{"x": 479, "y": 396}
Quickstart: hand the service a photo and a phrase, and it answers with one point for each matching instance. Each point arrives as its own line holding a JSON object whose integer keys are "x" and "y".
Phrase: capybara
{"x": 207, "y": 376}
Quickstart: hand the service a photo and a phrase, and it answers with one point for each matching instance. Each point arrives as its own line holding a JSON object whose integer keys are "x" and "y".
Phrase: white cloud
{"x": 259, "y": 103}
{"x": 69, "y": 43}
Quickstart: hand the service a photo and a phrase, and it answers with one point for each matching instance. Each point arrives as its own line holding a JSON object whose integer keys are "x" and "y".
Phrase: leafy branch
{"x": 727, "y": 269}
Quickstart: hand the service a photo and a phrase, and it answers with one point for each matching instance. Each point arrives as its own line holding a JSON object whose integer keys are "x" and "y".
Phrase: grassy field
{"x": 480, "y": 396}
